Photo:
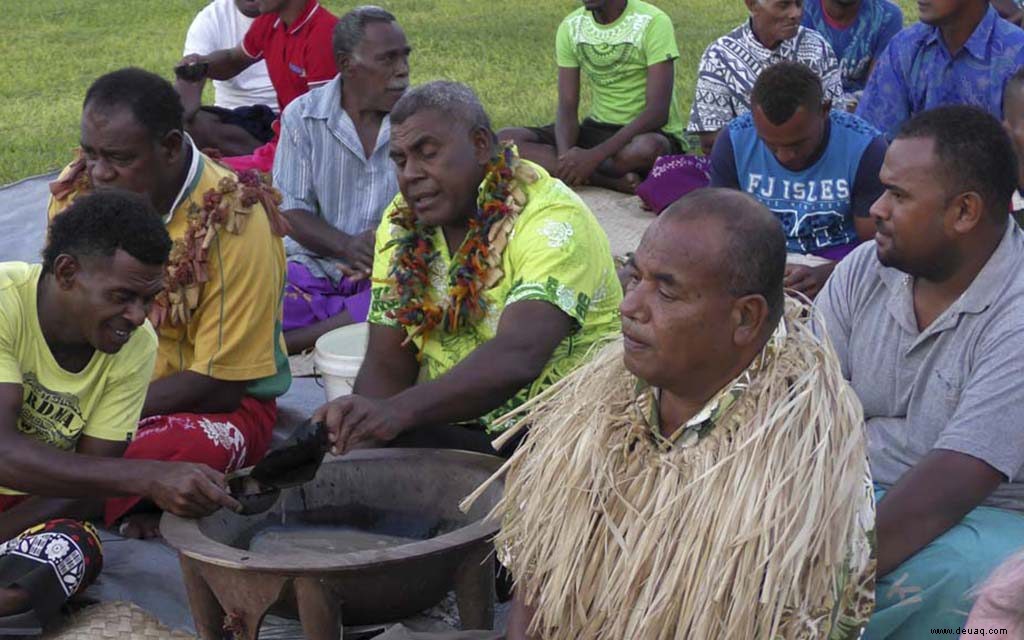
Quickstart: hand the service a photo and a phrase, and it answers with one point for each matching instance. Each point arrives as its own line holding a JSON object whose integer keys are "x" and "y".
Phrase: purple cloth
{"x": 671, "y": 178}
{"x": 837, "y": 252}
{"x": 308, "y": 299}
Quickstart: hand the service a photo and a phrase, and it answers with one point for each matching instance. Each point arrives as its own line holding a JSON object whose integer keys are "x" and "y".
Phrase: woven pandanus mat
{"x": 620, "y": 215}
{"x": 113, "y": 620}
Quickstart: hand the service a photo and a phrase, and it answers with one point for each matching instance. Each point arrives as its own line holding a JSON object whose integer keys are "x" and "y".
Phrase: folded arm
{"x": 315, "y": 234}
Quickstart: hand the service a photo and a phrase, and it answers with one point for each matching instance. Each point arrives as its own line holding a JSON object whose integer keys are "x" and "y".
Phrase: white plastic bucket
{"x": 338, "y": 356}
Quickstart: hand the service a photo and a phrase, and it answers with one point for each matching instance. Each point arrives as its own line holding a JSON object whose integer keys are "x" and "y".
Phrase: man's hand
{"x": 357, "y": 253}
{"x": 356, "y": 422}
{"x": 576, "y": 165}
{"x": 192, "y": 68}
{"x": 807, "y": 280}
{"x": 189, "y": 490}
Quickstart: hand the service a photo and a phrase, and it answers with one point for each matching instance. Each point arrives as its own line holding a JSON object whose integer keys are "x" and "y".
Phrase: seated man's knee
{"x": 518, "y": 135}
{"x": 643, "y": 151}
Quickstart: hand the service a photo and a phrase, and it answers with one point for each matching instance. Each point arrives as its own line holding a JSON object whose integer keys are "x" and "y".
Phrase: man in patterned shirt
{"x": 492, "y": 280}
{"x": 627, "y": 52}
{"x": 731, "y": 64}
{"x": 859, "y": 31}
{"x": 961, "y": 52}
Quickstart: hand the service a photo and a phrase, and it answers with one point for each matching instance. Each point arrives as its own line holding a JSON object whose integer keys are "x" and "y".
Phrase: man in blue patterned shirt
{"x": 859, "y": 31}
{"x": 961, "y": 52}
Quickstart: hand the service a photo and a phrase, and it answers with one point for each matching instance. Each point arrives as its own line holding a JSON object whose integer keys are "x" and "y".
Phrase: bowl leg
{"x": 474, "y": 587}
{"x": 206, "y": 610}
{"x": 319, "y": 609}
{"x": 227, "y": 600}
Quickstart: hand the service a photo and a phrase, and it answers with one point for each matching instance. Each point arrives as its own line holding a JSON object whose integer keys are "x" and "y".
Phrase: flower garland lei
{"x": 476, "y": 266}
{"x": 224, "y": 207}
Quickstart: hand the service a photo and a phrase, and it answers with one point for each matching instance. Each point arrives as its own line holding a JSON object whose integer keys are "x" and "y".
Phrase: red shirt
{"x": 298, "y": 57}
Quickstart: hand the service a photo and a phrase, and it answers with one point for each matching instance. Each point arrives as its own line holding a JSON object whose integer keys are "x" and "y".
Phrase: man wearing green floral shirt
{"x": 492, "y": 280}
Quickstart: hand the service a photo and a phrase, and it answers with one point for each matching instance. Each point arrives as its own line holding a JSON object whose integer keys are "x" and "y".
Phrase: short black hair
{"x": 152, "y": 100}
{"x": 351, "y": 27}
{"x": 754, "y": 261}
{"x": 783, "y": 88}
{"x": 100, "y": 223}
{"x": 974, "y": 153}
{"x": 455, "y": 100}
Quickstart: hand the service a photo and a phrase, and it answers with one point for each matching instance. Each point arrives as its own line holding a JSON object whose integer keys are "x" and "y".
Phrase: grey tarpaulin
{"x": 23, "y": 218}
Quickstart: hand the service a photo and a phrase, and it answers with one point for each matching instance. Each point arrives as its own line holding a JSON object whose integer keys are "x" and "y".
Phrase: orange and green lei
{"x": 476, "y": 266}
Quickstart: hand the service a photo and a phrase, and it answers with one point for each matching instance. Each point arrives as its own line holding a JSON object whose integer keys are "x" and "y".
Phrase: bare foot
{"x": 625, "y": 184}
{"x": 14, "y": 600}
{"x": 141, "y": 526}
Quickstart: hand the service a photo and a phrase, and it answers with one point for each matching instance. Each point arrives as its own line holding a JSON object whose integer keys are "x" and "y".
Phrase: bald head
{"x": 753, "y": 256}
{"x": 705, "y": 293}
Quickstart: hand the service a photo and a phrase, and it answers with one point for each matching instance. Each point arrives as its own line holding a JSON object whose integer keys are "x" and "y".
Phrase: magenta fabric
{"x": 308, "y": 299}
{"x": 836, "y": 253}
{"x": 671, "y": 178}
{"x": 262, "y": 159}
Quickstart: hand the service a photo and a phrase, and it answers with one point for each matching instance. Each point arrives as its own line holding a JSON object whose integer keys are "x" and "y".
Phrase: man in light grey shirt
{"x": 928, "y": 322}
{"x": 334, "y": 172}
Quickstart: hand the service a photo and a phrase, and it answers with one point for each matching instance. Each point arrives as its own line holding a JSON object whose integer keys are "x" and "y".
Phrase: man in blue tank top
{"x": 815, "y": 168}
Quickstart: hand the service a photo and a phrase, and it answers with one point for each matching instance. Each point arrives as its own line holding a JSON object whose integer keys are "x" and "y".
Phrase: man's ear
{"x": 172, "y": 145}
{"x": 483, "y": 144}
{"x": 967, "y": 211}
{"x": 826, "y": 106}
{"x": 66, "y": 269}
{"x": 343, "y": 61}
{"x": 749, "y": 316}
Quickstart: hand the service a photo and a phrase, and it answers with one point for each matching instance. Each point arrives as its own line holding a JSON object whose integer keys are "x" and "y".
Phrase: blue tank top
{"x": 814, "y": 204}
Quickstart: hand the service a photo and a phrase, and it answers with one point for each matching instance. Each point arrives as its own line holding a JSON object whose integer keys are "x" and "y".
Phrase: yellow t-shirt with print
{"x": 102, "y": 401}
{"x": 557, "y": 252}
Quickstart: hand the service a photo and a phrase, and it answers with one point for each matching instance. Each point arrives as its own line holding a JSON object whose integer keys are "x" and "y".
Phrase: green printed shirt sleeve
{"x": 565, "y": 50}
{"x": 555, "y": 256}
{"x": 379, "y": 304}
{"x": 660, "y": 41}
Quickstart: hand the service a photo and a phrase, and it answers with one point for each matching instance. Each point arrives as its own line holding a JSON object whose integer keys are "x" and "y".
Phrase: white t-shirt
{"x": 220, "y": 25}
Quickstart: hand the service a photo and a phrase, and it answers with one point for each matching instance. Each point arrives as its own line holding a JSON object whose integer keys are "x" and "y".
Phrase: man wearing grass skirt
{"x": 705, "y": 476}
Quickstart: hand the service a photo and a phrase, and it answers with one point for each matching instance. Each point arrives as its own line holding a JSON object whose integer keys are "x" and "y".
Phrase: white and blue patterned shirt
{"x": 321, "y": 167}
{"x": 731, "y": 65}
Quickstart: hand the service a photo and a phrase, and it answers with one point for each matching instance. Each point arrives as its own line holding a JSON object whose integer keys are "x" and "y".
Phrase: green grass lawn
{"x": 53, "y": 49}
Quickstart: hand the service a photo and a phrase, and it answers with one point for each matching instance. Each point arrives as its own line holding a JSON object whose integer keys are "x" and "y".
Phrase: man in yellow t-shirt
{"x": 221, "y": 362}
{"x": 75, "y": 357}
{"x": 627, "y": 53}
{"x": 518, "y": 284}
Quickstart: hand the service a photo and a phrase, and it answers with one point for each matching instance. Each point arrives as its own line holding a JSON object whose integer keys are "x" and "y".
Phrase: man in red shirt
{"x": 294, "y": 38}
